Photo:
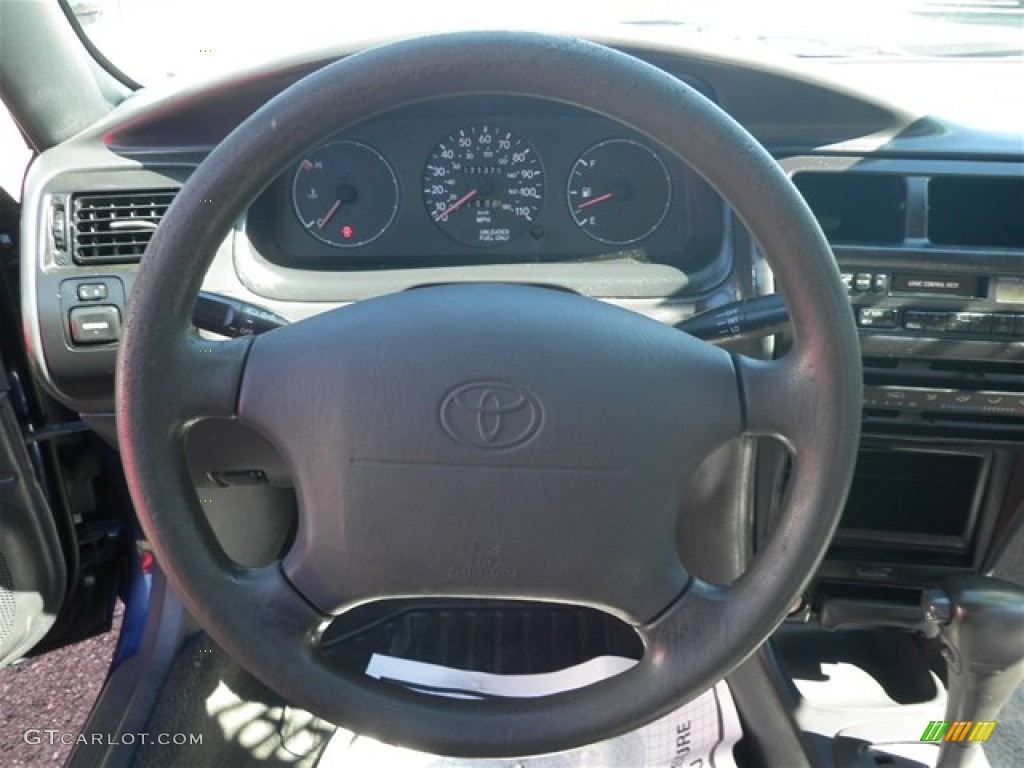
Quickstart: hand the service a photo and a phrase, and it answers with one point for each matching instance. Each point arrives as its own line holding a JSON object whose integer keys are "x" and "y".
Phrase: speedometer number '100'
{"x": 483, "y": 185}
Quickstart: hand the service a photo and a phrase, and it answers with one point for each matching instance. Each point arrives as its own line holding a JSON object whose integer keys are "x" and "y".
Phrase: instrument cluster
{"x": 437, "y": 184}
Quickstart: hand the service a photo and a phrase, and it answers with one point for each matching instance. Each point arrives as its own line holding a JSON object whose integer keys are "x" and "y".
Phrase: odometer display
{"x": 483, "y": 185}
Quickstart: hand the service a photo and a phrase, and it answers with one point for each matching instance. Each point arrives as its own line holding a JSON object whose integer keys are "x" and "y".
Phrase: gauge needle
{"x": 330, "y": 213}
{"x": 456, "y": 205}
{"x": 594, "y": 201}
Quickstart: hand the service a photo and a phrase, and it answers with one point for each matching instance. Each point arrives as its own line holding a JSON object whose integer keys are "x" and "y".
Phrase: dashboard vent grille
{"x": 116, "y": 228}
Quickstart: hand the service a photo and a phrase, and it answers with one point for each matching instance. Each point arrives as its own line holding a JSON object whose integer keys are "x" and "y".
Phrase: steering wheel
{"x": 494, "y": 441}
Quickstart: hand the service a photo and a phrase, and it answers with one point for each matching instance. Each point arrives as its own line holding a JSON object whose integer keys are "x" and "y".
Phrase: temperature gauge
{"x": 345, "y": 194}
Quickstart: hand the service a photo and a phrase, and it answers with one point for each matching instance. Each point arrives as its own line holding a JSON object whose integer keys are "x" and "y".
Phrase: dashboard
{"x": 486, "y": 180}
{"x": 923, "y": 212}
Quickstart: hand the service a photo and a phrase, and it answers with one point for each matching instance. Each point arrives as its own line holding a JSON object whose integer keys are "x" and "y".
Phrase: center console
{"x": 932, "y": 254}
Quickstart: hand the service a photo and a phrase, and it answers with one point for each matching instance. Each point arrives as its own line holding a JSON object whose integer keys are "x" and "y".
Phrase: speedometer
{"x": 483, "y": 185}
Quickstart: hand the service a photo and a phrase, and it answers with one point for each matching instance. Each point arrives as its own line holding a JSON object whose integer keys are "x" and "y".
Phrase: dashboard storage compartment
{"x": 918, "y": 497}
{"x": 920, "y": 511}
{"x": 976, "y": 211}
{"x": 856, "y": 207}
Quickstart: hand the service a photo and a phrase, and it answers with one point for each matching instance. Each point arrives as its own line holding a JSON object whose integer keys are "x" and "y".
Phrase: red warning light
{"x": 347, "y": 232}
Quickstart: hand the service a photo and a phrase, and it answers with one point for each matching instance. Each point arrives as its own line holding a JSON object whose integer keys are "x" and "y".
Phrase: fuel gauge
{"x": 619, "y": 191}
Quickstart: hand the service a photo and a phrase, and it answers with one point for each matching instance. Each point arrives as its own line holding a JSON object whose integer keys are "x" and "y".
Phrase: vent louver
{"x": 116, "y": 228}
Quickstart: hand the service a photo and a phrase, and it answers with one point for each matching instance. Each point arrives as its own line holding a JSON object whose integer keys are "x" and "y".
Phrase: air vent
{"x": 115, "y": 229}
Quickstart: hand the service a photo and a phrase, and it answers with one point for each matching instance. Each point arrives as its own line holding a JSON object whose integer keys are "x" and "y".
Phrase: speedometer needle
{"x": 594, "y": 201}
{"x": 456, "y": 205}
{"x": 330, "y": 213}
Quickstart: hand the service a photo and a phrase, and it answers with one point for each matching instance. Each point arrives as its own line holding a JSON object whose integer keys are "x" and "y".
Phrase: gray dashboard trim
{"x": 91, "y": 169}
{"x": 628, "y": 280}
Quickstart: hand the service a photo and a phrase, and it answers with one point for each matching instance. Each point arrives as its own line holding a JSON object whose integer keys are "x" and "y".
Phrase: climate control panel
{"x": 945, "y": 401}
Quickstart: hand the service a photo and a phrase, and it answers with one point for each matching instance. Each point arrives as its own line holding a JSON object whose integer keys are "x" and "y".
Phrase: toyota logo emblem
{"x": 491, "y": 415}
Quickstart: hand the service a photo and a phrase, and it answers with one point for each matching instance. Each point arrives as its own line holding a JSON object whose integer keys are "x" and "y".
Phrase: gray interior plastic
{"x": 361, "y": 402}
{"x": 58, "y": 94}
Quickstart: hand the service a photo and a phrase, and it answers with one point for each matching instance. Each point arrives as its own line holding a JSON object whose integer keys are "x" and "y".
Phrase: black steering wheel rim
{"x": 168, "y": 378}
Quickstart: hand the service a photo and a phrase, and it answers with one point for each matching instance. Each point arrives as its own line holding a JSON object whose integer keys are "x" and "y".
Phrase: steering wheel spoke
{"x": 207, "y": 376}
{"x": 780, "y": 397}
{"x": 696, "y": 623}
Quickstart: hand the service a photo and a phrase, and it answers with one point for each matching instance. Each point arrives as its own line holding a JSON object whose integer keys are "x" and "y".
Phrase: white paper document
{"x": 700, "y": 734}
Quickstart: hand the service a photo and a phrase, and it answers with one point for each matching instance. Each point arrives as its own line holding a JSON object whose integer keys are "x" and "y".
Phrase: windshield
{"x": 150, "y": 40}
